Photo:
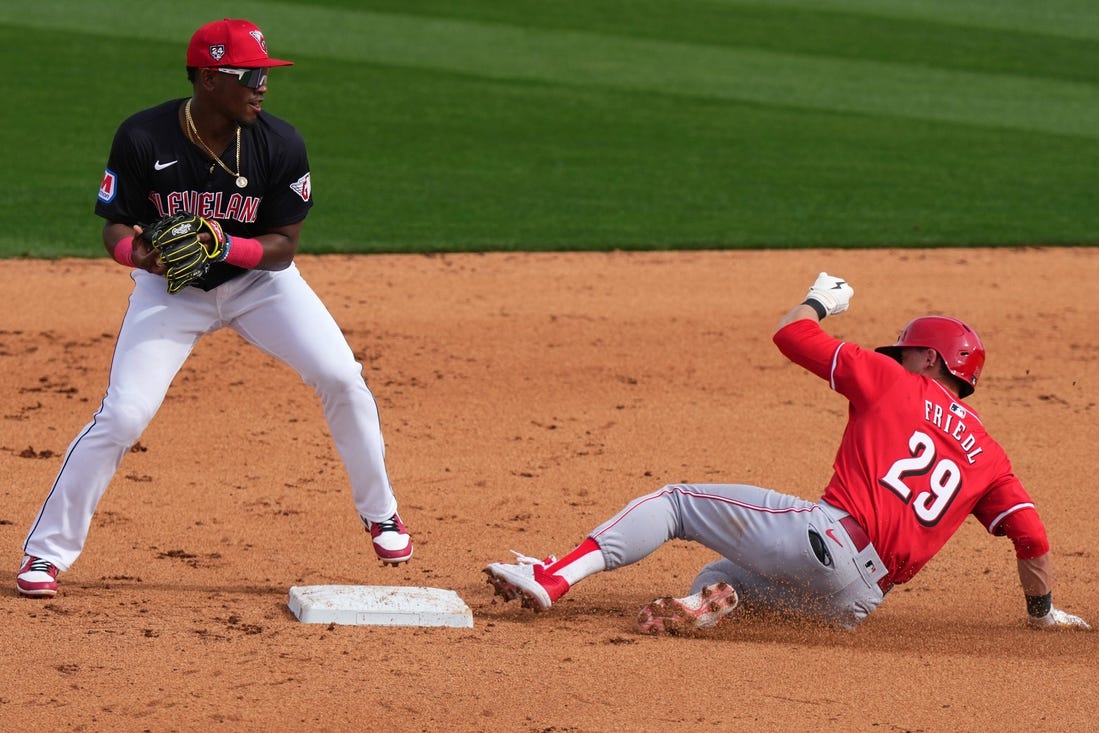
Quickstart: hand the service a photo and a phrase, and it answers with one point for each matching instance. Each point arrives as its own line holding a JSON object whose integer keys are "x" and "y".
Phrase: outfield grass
{"x": 525, "y": 124}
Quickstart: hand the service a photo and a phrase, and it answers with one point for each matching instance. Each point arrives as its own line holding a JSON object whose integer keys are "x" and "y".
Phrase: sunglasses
{"x": 251, "y": 78}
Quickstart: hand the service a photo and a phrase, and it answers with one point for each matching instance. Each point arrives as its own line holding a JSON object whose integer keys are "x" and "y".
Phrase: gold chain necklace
{"x": 241, "y": 180}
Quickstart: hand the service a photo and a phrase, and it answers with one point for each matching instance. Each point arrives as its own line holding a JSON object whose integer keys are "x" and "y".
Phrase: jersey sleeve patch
{"x": 302, "y": 187}
{"x": 108, "y": 187}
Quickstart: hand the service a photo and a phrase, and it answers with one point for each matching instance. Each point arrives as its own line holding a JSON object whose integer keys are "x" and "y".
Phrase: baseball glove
{"x": 186, "y": 257}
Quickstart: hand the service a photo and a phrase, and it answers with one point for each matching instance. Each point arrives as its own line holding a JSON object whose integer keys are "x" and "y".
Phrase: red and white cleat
{"x": 528, "y": 581}
{"x": 37, "y": 578}
{"x": 702, "y": 610}
{"x": 391, "y": 540}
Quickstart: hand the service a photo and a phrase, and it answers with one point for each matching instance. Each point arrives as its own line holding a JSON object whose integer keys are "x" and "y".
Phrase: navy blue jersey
{"x": 154, "y": 170}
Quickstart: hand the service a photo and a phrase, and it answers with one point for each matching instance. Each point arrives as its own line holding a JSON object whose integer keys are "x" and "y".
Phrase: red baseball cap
{"x": 229, "y": 42}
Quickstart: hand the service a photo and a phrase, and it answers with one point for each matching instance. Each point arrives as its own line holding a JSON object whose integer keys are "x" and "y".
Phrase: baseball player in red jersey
{"x": 217, "y": 155}
{"x": 913, "y": 463}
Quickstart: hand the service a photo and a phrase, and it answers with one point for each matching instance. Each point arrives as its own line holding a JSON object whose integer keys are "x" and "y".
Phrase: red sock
{"x": 585, "y": 560}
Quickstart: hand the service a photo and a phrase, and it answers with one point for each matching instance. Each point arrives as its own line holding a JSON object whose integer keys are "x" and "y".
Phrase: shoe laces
{"x": 391, "y": 524}
{"x": 527, "y": 560}
{"x": 41, "y": 566}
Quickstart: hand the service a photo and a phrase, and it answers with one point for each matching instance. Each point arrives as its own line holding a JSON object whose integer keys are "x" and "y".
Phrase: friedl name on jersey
{"x": 208, "y": 204}
{"x": 950, "y": 422}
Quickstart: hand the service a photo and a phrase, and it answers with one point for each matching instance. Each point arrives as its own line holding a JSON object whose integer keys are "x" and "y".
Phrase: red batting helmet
{"x": 957, "y": 344}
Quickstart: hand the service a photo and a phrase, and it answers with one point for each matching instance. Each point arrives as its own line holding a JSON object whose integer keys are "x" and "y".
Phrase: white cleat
{"x": 702, "y": 610}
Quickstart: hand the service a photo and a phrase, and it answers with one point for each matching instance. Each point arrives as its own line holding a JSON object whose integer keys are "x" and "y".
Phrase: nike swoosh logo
{"x": 831, "y": 533}
{"x": 161, "y": 166}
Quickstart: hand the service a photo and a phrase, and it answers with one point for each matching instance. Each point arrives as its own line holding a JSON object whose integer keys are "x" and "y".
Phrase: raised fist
{"x": 833, "y": 293}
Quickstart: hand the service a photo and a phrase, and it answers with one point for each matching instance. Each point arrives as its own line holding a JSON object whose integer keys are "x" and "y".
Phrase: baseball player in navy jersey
{"x": 913, "y": 463}
{"x": 218, "y": 155}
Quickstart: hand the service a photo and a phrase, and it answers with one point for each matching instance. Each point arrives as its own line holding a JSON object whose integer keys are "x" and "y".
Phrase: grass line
{"x": 590, "y": 124}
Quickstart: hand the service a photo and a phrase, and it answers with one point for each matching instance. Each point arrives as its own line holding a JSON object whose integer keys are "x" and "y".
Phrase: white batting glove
{"x": 1057, "y": 619}
{"x": 833, "y": 293}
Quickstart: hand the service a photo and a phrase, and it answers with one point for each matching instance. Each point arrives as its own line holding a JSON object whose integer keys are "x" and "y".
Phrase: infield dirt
{"x": 524, "y": 399}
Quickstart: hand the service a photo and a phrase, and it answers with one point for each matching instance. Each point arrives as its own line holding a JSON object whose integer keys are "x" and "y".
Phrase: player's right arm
{"x": 118, "y": 236}
{"x": 123, "y": 194}
{"x": 1025, "y": 529}
{"x": 1036, "y": 575}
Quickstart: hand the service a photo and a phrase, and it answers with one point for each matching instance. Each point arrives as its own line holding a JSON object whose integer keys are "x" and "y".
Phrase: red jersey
{"x": 914, "y": 460}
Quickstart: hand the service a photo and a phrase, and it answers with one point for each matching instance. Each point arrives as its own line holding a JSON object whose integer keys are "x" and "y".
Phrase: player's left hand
{"x": 1058, "y": 619}
{"x": 832, "y": 292}
{"x": 186, "y": 245}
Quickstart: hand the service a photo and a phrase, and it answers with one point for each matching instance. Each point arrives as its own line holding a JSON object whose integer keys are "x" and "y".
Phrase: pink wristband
{"x": 124, "y": 251}
{"x": 244, "y": 252}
